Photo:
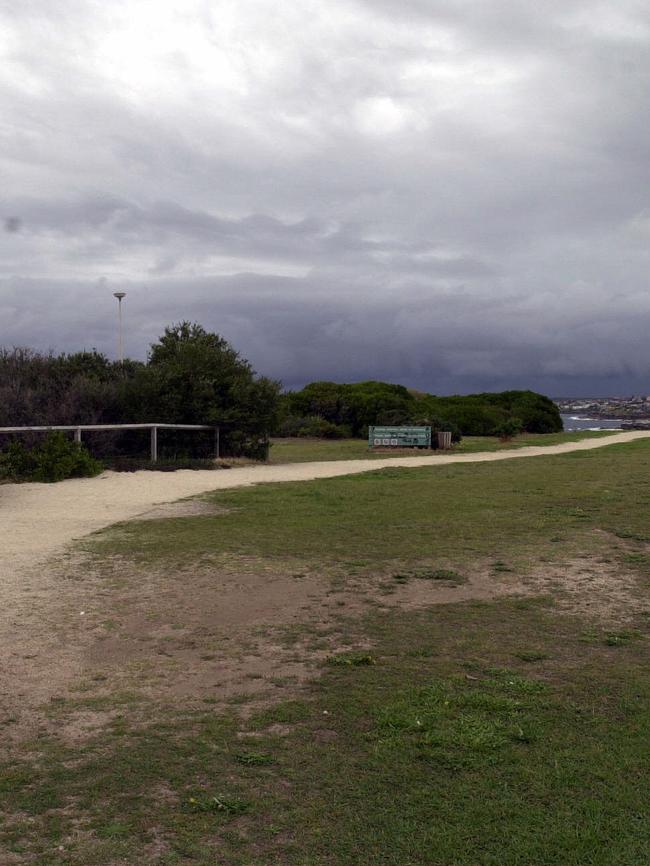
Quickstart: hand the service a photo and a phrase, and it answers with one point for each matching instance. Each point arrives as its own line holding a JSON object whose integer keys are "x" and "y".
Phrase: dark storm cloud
{"x": 453, "y": 197}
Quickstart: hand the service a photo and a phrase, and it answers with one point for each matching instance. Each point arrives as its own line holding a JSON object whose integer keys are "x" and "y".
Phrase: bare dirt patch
{"x": 62, "y": 620}
{"x": 480, "y": 584}
{"x": 78, "y": 727}
{"x": 241, "y": 631}
{"x": 594, "y": 587}
{"x": 597, "y": 589}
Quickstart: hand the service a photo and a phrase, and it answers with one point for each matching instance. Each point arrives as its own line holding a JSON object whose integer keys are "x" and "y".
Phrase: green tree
{"x": 196, "y": 377}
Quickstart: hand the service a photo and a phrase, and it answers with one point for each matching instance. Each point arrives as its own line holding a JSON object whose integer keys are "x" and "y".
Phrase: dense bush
{"x": 509, "y": 429}
{"x": 312, "y": 426}
{"x": 364, "y": 403}
{"x": 483, "y": 414}
{"x": 192, "y": 377}
{"x": 355, "y": 406}
{"x": 54, "y": 459}
{"x": 82, "y": 388}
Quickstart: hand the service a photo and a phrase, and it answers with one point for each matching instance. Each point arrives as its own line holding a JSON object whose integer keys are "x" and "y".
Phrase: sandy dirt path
{"x": 39, "y": 520}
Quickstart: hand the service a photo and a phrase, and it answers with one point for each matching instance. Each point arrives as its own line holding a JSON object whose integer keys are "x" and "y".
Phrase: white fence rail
{"x": 77, "y": 429}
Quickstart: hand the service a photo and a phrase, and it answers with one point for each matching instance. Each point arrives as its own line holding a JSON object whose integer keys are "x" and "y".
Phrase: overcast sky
{"x": 450, "y": 195}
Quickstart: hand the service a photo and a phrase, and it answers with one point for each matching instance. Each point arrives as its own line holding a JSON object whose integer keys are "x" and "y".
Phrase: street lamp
{"x": 119, "y": 296}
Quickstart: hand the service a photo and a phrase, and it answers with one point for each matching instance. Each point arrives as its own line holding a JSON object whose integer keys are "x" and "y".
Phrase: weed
{"x": 632, "y": 535}
{"x": 351, "y": 659}
{"x": 437, "y": 574}
{"x": 531, "y": 655}
{"x": 443, "y": 574}
{"x": 254, "y": 759}
{"x": 499, "y": 566}
{"x": 286, "y": 713}
{"x": 116, "y": 830}
{"x": 229, "y": 806}
{"x": 511, "y": 681}
{"x": 621, "y": 638}
{"x": 635, "y": 558}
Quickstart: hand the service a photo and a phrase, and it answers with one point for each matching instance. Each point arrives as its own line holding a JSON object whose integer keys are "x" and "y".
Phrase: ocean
{"x": 584, "y": 422}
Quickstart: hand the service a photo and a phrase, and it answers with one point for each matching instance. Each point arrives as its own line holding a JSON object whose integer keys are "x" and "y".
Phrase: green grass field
{"x": 504, "y": 732}
{"x": 378, "y": 519}
{"x": 305, "y": 450}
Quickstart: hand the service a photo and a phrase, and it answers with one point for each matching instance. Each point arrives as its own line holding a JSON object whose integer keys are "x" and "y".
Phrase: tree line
{"x": 335, "y": 410}
{"x": 193, "y": 376}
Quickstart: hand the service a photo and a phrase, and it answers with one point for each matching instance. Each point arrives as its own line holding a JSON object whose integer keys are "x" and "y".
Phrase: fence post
{"x": 154, "y": 444}
{"x": 216, "y": 443}
{"x": 77, "y": 435}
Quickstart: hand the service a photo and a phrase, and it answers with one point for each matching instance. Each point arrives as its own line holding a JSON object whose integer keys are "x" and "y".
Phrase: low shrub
{"x": 54, "y": 459}
{"x": 312, "y": 427}
{"x": 509, "y": 429}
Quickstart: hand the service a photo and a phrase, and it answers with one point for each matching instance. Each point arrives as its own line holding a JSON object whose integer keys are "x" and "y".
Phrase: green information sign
{"x": 399, "y": 437}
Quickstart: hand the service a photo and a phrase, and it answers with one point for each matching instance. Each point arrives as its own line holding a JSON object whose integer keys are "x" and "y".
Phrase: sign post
{"x": 399, "y": 437}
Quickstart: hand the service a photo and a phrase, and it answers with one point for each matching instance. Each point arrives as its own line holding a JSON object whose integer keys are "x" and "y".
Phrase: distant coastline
{"x": 587, "y": 422}
{"x": 605, "y": 413}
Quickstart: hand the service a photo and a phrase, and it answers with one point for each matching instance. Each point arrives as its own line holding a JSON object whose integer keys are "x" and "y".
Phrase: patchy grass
{"x": 391, "y": 763}
{"x": 500, "y": 732}
{"x": 445, "y": 574}
{"x": 621, "y": 638}
{"x": 452, "y": 514}
{"x": 254, "y": 759}
{"x": 474, "y": 444}
{"x": 226, "y": 806}
{"x": 500, "y": 566}
{"x": 298, "y": 450}
{"x": 531, "y": 655}
{"x": 351, "y": 659}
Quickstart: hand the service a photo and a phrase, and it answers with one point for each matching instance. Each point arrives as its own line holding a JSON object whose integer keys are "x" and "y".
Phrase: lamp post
{"x": 119, "y": 296}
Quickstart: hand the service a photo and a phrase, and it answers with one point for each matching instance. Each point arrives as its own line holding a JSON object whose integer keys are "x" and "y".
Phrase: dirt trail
{"x": 40, "y": 520}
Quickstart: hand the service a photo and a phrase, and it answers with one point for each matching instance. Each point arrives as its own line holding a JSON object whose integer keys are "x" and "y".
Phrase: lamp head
{"x": 119, "y": 295}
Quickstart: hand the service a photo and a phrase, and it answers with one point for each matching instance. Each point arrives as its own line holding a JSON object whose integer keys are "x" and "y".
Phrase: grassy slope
{"x": 495, "y": 733}
{"x": 455, "y": 512}
{"x": 306, "y": 450}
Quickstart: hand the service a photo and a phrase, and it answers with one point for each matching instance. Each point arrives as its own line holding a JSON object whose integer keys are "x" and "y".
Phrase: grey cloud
{"x": 458, "y": 341}
{"x": 453, "y": 196}
{"x": 175, "y": 233}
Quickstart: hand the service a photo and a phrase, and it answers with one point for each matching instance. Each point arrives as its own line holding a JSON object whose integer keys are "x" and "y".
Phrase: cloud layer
{"x": 453, "y": 198}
